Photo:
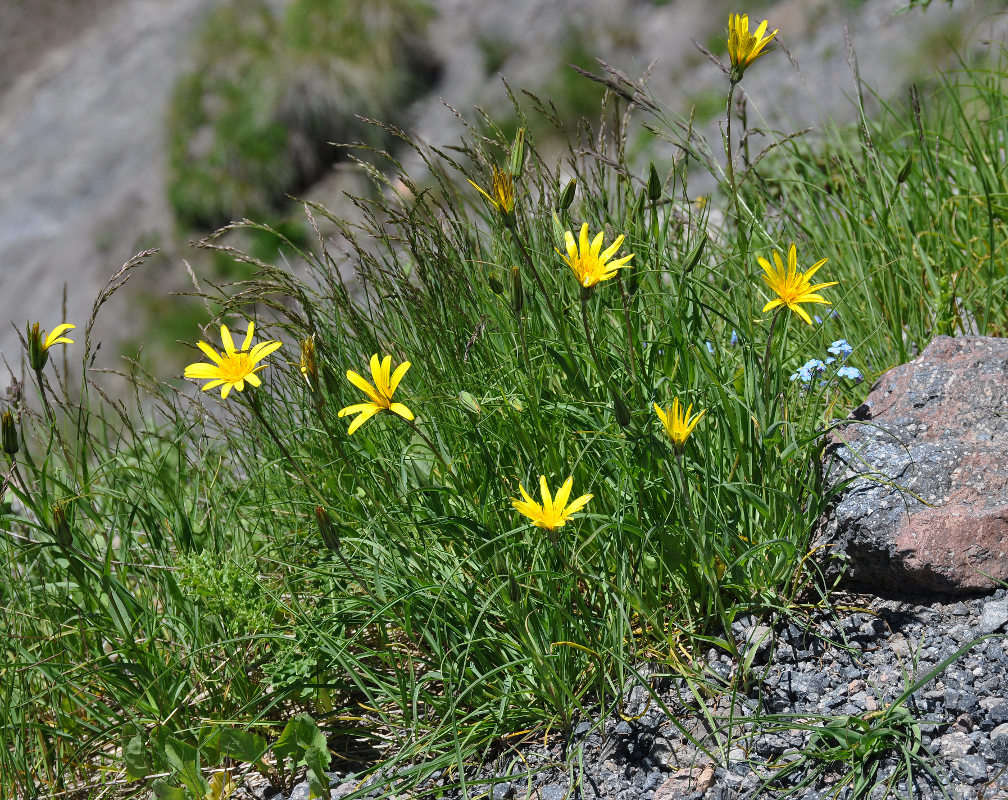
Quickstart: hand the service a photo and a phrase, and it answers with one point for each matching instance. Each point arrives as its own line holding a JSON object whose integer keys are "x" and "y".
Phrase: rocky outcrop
{"x": 923, "y": 475}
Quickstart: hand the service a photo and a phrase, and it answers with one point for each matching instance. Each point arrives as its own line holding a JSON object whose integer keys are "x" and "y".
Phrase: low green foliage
{"x": 192, "y": 565}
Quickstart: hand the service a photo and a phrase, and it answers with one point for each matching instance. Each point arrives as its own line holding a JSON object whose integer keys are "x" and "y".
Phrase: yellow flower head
{"x": 380, "y": 394}
{"x": 745, "y": 47}
{"x": 554, "y": 511}
{"x": 39, "y": 343}
{"x": 590, "y": 263}
{"x": 678, "y": 425}
{"x": 791, "y": 286}
{"x": 502, "y": 188}
{"x": 231, "y": 368}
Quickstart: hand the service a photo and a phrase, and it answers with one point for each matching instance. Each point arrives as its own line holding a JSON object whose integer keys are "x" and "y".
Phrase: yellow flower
{"x": 554, "y": 511}
{"x": 589, "y": 264}
{"x": 380, "y": 393}
{"x": 744, "y": 47}
{"x": 502, "y": 187}
{"x": 791, "y": 286}
{"x": 678, "y": 425}
{"x": 232, "y": 367}
{"x": 39, "y": 343}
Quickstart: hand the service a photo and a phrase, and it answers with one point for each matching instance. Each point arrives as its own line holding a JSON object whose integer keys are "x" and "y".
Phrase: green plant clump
{"x": 557, "y": 427}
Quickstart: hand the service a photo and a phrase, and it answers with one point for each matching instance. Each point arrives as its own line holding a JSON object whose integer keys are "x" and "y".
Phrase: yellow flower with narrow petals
{"x": 791, "y": 286}
{"x": 231, "y": 368}
{"x": 39, "y": 343}
{"x": 554, "y": 511}
{"x": 590, "y": 263}
{"x": 380, "y": 394}
{"x": 745, "y": 47}
{"x": 678, "y": 425}
{"x": 501, "y": 195}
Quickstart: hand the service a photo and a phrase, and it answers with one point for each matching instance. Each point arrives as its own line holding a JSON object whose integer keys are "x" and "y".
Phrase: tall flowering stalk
{"x": 743, "y": 49}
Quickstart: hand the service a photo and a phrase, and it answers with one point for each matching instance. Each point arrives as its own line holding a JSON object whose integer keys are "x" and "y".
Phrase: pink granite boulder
{"x": 926, "y": 506}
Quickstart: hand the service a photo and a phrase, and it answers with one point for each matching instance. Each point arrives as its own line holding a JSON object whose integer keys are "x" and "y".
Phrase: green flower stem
{"x": 730, "y": 154}
{"x": 254, "y": 405}
{"x": 527, "y": 258}
{"x": 585, "y": 294}
{"x": 629, "y": 335}
{"x": 766, "y": 352}
{"x": 45, "y": 398}
{"x": 432, "y": 447}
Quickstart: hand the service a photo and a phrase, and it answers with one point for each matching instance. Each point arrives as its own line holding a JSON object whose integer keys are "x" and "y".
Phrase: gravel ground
{"x": 851, "y": 663}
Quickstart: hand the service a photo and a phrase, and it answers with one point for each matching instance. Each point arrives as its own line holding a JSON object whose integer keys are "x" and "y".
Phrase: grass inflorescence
{"x": 189, "y": 574}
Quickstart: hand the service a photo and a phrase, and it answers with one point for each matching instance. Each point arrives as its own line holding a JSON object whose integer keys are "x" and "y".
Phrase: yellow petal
{"x": 773, "y": 304}
{"x": 225, "y": 334}
{"x": 202, "y": 371}
{"x": 578, "y": 504}
{"x": 397, "y": 376}
{"x": 210, "y": 352}
{"x": 401, "y": 410}
{"x": 563, "y": 494}
{"x": 357, "y": 408}
{"x": 248, "y": 336}
{"x": 364, "y": 386}
{"x": 363, "y": 417}
{"x": 800, "y": 312}
{"x": 547, "y": 498}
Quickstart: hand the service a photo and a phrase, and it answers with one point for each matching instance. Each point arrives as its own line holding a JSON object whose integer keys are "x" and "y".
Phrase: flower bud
{"x": 9, "y": 434}
{"x": 38, "y": 354}
{"x": 654, "y": 185}
{"x": 517, "y": 293}
{"x": 567, "y": 195}
{"x": 61, "y": 524}
{"x": 330, "y": 536}
{"x": 309, "y": 367}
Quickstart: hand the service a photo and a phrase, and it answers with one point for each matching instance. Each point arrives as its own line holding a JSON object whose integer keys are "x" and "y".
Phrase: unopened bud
{"x": 495, "y": 285}
{"x": 622, "y": 412}
{"x": 38, "y": 354}
{"x": 518, "y": 154}
{"x": 309, "y": 367}
{"x": 654, "y": 186}
{"x": 61, "y": 525}
{"x": 517, "y": 293}
{"x": 9, "y": 436}
{"x": 330, "y": 536}
{"x": 567, "y": 195}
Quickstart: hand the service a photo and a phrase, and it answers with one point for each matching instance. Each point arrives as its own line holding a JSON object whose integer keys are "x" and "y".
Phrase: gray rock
{"x": 956, "y": 745}
{"x": 999, "y": 742}
{"x": 971, "y": 768}
{"x": 994, "y": 616}
{"x": 553, "y": 791}
{"x": 503, "y": 791}
{"x": 931, "y": 511}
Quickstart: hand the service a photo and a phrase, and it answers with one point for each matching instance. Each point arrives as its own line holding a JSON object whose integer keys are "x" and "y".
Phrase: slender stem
{"x": 432, "y": 447}
{"x": 45, "y": 398}
{"x": 591, "y": 342}
{"x": 527, "y": 258}
{"x": 254, "y": 405}
{"x": 729, "y": 152}
{"x": 766, "y": 352}
{"x": 629, "y": 333}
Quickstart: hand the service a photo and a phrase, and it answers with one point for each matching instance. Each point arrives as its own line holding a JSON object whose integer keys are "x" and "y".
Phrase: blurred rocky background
{"x": 133, "y": 124}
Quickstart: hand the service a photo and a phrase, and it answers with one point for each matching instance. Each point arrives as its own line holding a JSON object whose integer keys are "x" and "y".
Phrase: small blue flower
{"x": 734, "y": 338}
{"x": 710, "y": 348}
{"x": 851, "y": 373}
{"x": 808, "y": 369}
{"x": 840, "y": 348}
{"x": 830, "y": 360}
